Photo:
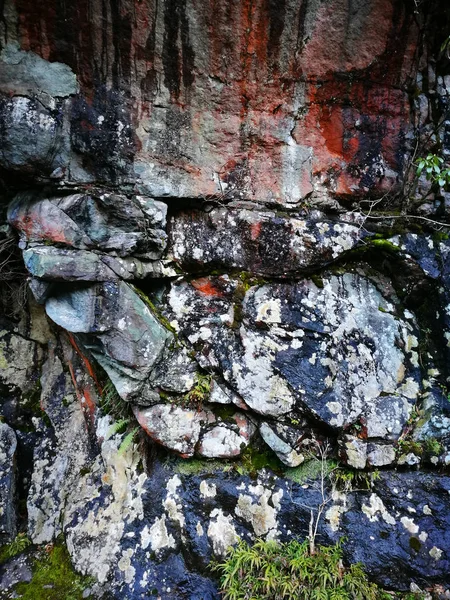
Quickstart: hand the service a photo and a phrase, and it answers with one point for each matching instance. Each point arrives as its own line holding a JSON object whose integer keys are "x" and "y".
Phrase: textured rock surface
{"x": 8, "y": 447}
{"x": 267, "y": 101}
{"x": 217, "y": 208}
{"x": 339, "y": 351}
{"x": 262, "y": 242}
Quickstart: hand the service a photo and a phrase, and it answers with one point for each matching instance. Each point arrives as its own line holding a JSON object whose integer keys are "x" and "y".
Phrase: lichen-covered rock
{"x": 33, "y": 137}
{"x": 337, "y": 349}
{"x": 228, "y": 439}
{"x": 174, "y": 427}
{"x": 20, "y": 359}
{"x": 289, "y": 454}
{"x": 262, "y": 242}
{"x": 8, "y": 517}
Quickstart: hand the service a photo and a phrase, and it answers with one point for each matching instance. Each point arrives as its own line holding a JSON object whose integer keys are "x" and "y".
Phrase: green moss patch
{"x": 54, "y": 578}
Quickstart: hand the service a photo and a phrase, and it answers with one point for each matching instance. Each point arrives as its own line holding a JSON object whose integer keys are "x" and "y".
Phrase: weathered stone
{"x": 57, "y": 264}
{"x": 8, "y": 517}
{"x": 16, "y": 570}
{"x": 354, "y": 451}
{"x": 340, "y": 350}
{"x": 227, "y": 439}
{"x": 175, "y": 372}
{"x": 124, "y": 336}
{"x": 32, "y": 137}
{"x": 288, "y": 455}
{"x": 261, "y": 241}
{"x": 109, "y": 222}
{"x": 174, "y": 427}
{"x": 434, "y": 423}
{"x": 26, "y": 73}
{"x": 380, "y": 455}
{"x": 20, "y": 359}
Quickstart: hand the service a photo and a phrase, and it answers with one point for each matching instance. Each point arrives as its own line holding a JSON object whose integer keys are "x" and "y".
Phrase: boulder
{"x": 335, "y": 348}
{"x": 118, "y": 328}
{"x": 227, "y": 440}
{"x": 262, "y": 242}
{"x": 289, "y": 454}
{"x": 174, "y": 427}
{"x": 104, "y": 221}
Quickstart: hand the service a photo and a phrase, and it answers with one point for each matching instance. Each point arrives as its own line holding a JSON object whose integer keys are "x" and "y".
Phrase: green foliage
{"x": 349, "y": 479}
{"x": 200, "y": 392}
{"x": 445, "y": 48}
{"x": 114, "y": 405}
{"x": 435, "y": 169}
{"x": 409, "y": 446}
{"x": 197, "y": 466}
{"x": 272, "y": 571}
{"x": 117, "y": 427}
{"x": 17, "y": 546}
{"x": 54, "y": 578}
{"x": 310, "y": 470}
{"x": 128, "y": 440}
{"x": 433, "y": 447}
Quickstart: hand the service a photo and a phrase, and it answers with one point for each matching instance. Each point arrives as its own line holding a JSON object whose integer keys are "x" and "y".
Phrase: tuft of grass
{"x": 269, "y": 570}
{"x": 17, "y": 546}
{"x": 347, "y": 480}
{"x": 309, "y": 471}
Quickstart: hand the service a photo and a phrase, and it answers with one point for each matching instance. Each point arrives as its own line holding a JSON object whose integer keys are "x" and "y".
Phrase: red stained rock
{"x": 268, "y": 100}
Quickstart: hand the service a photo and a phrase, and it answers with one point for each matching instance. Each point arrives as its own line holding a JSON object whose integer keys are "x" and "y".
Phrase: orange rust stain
{"x": 206, "y": 287}
{"x": 255, "y": 230}
{"x": 87, "y": 364}
{"x": 351, "y": 147}
{"x": 88, "y": 404}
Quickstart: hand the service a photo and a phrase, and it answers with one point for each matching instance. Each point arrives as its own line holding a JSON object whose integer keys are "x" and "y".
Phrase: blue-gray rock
{"x": 8, "y": 517}
{"x": 120, "y": 330}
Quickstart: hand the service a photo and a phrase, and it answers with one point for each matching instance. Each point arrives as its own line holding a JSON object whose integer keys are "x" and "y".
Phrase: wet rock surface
{"x": 240, "y": 295}
{"x": 8, "y": 447}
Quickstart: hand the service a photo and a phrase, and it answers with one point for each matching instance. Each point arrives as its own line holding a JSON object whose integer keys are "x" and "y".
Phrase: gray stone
{"x": 108, "y": 222}
{"x": 354, "y": 451}
{"x": 291, "y": 457}
{"x": 228, "y": 439}
{"x": 175, "y": 372}
{"x": 380, "y": 455}
{"x": 122, "y": 333}
{"x": 32, "y": 137}
{"x": 8, "y": 517}
{"x": 261, "y": 241}
{"x": 25, "y": 73}
{"x": 174, "y": 427}
{"x": 59, "y": 264}
{"x": 340, "y": 349}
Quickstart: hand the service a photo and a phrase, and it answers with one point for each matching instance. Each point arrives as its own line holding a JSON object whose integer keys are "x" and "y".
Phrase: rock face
{"x": 234, "y": 302}
{"x": 8, "y": 447}
{"x": 267, "y": 101}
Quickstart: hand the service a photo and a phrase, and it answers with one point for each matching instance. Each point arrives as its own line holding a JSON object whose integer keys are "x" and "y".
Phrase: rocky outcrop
{"x": 239, "y": 292}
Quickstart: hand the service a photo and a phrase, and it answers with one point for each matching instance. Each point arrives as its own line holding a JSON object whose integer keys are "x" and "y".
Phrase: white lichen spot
{"x": 374, "y": 507}
{"x": 409, "y": 525}
{"x": 159, "y": 536}
{"x": 435, "y": 553}
{"x": 221, "y": 532}
{"x": 207, "y": 491}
